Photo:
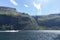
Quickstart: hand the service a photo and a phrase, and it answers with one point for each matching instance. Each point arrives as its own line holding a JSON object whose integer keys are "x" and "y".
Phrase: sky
{"x": 34, "y": 7}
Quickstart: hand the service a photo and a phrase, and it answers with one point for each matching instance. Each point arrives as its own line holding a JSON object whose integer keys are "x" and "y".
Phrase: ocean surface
{"x": 31, "y": 35}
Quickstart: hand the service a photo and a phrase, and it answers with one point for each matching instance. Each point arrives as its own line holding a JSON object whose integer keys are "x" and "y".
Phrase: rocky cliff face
{"x": 7, "y": 8}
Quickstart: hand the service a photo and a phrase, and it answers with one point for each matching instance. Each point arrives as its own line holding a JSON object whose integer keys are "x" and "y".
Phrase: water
{"x": 30, "y": 35}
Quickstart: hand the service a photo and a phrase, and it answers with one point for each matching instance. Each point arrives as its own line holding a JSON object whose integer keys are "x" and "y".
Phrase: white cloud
{"x": 26, "y": 5}
{"x": 14, "y": 2}
{"x": 37, "y": 5}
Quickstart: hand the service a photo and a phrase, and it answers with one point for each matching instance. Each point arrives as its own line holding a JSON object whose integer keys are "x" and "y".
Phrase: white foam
{"x": 10, "y": 31}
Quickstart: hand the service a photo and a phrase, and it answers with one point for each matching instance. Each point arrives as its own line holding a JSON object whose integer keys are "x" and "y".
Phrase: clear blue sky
{"x": 34, "y": 7}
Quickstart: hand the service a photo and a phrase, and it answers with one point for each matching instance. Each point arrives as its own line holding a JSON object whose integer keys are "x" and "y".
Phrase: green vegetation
{"x": 14, "y": 20}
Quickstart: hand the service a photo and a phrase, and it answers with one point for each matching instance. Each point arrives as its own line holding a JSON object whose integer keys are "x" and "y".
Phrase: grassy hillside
{"x": 11, "y": 19}
{"x": 14, "y": 20}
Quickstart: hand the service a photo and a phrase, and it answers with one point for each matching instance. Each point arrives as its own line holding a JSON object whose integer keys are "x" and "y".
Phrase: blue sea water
{"x": 29, "y": 35}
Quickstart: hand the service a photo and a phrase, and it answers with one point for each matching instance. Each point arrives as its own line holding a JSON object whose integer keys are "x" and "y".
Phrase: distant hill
{"x": 51, "y": 21}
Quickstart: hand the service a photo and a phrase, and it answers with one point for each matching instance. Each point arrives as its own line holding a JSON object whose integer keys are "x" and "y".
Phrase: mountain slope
{"x": 11, "y": 19}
